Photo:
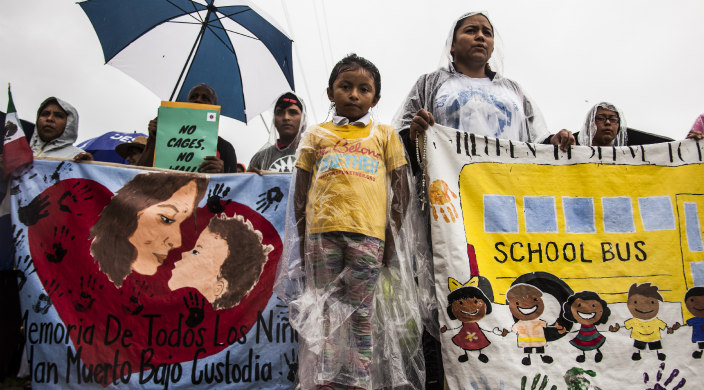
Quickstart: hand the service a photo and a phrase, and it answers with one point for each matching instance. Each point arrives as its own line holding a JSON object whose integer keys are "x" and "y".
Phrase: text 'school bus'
{"x": 593, "y": 235}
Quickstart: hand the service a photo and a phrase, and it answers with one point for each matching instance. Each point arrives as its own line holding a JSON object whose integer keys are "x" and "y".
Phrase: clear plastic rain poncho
{"x": 356, "y": 310}
{"x": 494, "y": 107}
{"x": 274, "y": 155}
{"x": 589, "y": 129}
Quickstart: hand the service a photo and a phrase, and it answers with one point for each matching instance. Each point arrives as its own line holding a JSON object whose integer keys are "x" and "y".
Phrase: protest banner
{"x": 151, "y": 279}
{"x": 579, "y": 268}
{"x": 186, "y": 134}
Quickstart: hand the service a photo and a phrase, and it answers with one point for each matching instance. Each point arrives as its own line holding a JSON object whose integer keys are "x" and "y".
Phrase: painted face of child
{"x": 586, "y": 311}
{"x": 159, "y": 229}
{"x": 642, "y": 307}
{"x": 200, "y": 267}
{"x": 695, "y": 305}
{"x": 353, "y": 93}
{"x": 469, "y": 309}
{"x": 527, "y": 307}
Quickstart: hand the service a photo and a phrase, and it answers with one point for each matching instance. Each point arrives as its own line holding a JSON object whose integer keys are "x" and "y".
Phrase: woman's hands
{"x": 420, "y": 123}
{"x": 564, "y": 139}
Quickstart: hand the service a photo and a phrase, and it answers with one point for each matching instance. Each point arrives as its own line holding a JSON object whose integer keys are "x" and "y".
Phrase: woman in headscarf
{"x": 468, "y": 92}
{"x": 56, "y": 131}
{"x": 605, "y": 125}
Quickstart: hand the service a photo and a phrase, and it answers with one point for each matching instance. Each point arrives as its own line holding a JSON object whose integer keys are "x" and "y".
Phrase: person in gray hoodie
{"x": 56, "y": 131}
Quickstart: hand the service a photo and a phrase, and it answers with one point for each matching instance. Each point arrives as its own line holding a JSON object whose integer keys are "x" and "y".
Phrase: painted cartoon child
{"x": 589, "y": 310}
{"x": 469, "y": 303}
{"x": 694, "y": 300}
{"x": 526, "y": 305}
{"x": 644, "y": 304}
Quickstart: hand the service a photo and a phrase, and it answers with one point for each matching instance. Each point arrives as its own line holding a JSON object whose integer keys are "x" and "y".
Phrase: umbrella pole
{"x": 268, "y": 130}
{"x": 190, "y": 55}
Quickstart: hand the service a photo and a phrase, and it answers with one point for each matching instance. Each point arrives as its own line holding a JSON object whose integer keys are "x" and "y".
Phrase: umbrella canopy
{"x": 172, "y": 45}
{"x": 102, "y": 147}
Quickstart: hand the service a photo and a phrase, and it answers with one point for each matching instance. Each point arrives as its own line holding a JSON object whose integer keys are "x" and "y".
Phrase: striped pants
{"x": 347, "y": 266}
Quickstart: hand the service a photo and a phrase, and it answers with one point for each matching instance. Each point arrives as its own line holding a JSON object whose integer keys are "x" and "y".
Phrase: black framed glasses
{"x": 602, "y": 118}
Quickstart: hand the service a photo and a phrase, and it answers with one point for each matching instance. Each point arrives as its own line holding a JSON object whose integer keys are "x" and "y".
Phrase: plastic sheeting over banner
{"x": 151, "y": 279}
{"x": 579, "y": 268}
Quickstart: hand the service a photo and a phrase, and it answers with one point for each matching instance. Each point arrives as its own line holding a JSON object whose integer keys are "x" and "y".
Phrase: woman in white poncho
{"x": 468, "y": 92}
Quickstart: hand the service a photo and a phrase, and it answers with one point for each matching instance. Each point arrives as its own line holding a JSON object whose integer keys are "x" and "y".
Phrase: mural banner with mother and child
{"x": 581, "y": 269}
{"x": 151, "y": 279}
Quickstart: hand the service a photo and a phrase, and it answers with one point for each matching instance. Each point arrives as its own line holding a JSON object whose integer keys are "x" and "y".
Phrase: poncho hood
{"x": 63, "y": 145}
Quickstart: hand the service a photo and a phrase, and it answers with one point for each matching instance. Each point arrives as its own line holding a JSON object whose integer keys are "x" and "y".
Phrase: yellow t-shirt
{"x": 647, "y": 331}
{"x": 349, "y": 166}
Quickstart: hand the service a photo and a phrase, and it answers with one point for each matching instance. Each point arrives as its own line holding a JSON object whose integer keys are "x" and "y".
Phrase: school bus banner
{"x": 151, "y": 279}
{"x": 568, "y": 269}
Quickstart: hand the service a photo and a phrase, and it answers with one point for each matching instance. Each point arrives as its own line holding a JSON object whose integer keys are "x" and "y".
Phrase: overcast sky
{"x": 646, "y": 57}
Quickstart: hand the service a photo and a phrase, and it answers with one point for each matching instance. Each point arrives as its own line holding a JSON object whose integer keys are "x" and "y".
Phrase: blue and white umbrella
{"x": 172, "y": 45}
{"x": 102, "y": 147}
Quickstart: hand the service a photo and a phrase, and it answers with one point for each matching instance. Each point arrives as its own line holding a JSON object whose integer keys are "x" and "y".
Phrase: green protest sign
{"x": 186, "y": 134}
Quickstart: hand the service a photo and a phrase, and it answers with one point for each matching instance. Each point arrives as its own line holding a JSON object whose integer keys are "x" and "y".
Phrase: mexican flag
{"x": 16, "y": 151}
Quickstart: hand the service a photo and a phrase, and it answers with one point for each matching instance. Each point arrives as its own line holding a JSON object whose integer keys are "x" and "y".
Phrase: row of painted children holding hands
{"x": 472, "y": 302}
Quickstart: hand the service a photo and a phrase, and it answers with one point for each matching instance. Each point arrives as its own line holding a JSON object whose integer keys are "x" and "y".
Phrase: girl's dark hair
{"x": 111, "y": 248}
{"x": 464, "y": 293}
{"x": 353, "y": 62}
{"x": 585, "y": 296}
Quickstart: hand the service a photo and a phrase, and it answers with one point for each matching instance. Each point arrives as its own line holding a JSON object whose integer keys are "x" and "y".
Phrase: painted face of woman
{"x": 159, "y": 229}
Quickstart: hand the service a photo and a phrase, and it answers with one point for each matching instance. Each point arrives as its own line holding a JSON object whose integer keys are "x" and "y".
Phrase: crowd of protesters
{"x": 467, "y": 93}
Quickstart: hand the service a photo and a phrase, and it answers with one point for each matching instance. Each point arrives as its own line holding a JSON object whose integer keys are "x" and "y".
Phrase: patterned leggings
{"x": 347, "y": 265}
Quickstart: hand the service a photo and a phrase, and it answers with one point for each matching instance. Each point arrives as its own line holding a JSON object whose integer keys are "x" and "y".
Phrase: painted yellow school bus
{"x": 587, "y": 224}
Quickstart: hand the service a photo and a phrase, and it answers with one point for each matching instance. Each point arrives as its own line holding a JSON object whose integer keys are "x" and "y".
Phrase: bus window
{"x": 540, "y": 214}
{"x": 618, "y": 214}
{"x": 579, "y": 214}
{"x": 656, "y": 213}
